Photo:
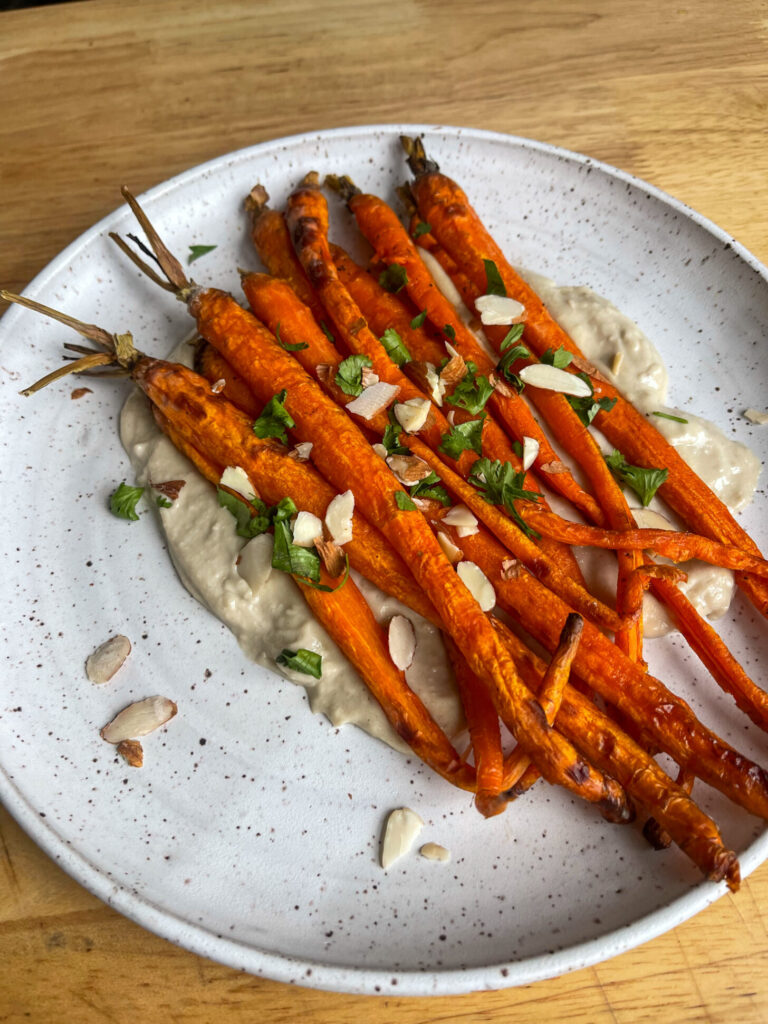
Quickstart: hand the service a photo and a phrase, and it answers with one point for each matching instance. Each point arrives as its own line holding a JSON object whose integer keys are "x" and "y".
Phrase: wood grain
{"x": 102, "y": 92}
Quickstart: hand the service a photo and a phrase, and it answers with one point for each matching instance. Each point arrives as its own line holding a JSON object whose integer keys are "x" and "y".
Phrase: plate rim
{"x": 349, "y": 978}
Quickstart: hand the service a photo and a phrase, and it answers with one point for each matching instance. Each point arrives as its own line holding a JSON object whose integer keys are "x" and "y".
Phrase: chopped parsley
{"x": 326, "y": 332}
{"x": 196, "y": 251}
{"x": 511, "y": 351}
{"x": 587, "y": 408}
{"x": 394, "y": 278}
{"x": 349, "y": 375}
{"x": 493, "y": 282}
{"x": 422, "y": 228}
{"x": 559, "y": 357}
{"x": 499, "y": 484}
{"x": 274, "y": 419}
{"x": 418, "y": 321}
{"x": 124, "y": 500}
{"x": 163, "y": 502}
{"x": 449, "y": 332}
{"x": 302, "y": 660}
{"x": 644, "y": 482}
{"x": 430, "y": 487}
{"x": 287, "y": 345}
{"x": 517, "y": 448}
{"x": 472, "y": 392}
{"x": 669, "y": 416}
{"x": 289, "y": 557}
{"x": 395, "y": 347}
{"x": 463, "y": 437}
{"x": 248, "y": 525}
{"x": 403, "y": 502}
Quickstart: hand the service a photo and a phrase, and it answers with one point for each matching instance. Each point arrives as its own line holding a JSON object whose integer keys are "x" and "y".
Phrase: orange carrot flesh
{"x": 461, "y": 232}
{"x": 197, "y": 414}
{"x": 211, "y": 365}
{"x": 639, "y": 581}
{"x": 345, "y": 458}
{"x": 484, "y": 732}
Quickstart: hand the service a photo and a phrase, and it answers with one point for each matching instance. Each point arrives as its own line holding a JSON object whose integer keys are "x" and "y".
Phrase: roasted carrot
{"x": 550, "y": 693}
{"x": 630, "y": 604}
{"x": 211, "y": 365}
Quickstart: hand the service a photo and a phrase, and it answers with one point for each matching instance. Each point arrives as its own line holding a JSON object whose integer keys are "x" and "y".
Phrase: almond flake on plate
{"x": 453, "y": 371}
{"x": 499, "y": 310}
{"x": 139, "y": 719}
{"x": 409, "y": 469}
{"x": 132, "y": 752}
{"x": 402, "y": 641}
{"x": 373, "y": 400}
{"x": 236, "y": 479}
{"x": 218, "y": 386}
{"x": 107, "y": 659}
{"x": 435, "y": 383}
{"x": 550, "y": 378}
{"x": 338, "y": 516}
{"x": 412, "y": 414}
{"x": 306, "y": 529}
{"x": 478, "y": 584}
{"x": 368, "y": 378}
{"x": 434, "y": 851}
{"x": 400, "y": 833}
{"x": 452, "y": 553}
{"x": 381, "y": 451}
{"x": 510, "y": 569}
{"x": 530, "y": 451}
{"x": 332, "y": 555}
{"x": 756, "y": 417}
{"x": 301, "y": 451}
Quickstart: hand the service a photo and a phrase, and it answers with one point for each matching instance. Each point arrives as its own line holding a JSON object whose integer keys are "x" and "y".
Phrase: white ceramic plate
{"x": 251, "y": 835}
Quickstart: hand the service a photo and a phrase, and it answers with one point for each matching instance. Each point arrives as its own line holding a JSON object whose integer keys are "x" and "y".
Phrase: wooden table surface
{"x": 103, "y": 91}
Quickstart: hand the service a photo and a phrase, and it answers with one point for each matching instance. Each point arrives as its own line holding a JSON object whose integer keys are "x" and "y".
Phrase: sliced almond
{"x": 550, "y": 378}
{"x": 441, "y": 279}
{"x": 381, "y": 451}
{"x": 478, "y": 584}
{"x": 499, "y": 310}
{"x": 453, "y": 371}
{"x": 428, "y": 506}
{"x": 400, "y": 833}
{"x": 555, "y": 466}
{"x": 408, "y": 469}
{"x": 452, "y": 553}
{"x": 332, "y": 555}
{"x": 107, "y": 659}
{"x": 169, "y": 488}
{"x": 618, "y": 359}
{"x": 402, "y": 641}
{"x": 218, "y": 386}
{"x": 373, "y": 400}
{"x": 412, "y": 414}
{"x": 530, "y": 452}
{"x": 451, "y": 417}
{"x": 324, "y": 372}
{"x": 132, "y": 752}
{"x": 510, "y": 569}
{"x": 500, "y": 386}
{"x": 434, "y": 851}
{"x": 756, "y": 417}
{"x": 139, "y": 719}
{"x": 435, "y": 384}
{"x": 306, "y": 528}
{"x": 301, "y": 451}
{"x": 368, "y": 377}
{"x": 585, "y": 366}
{"x": 338, "y": 517}
{"x": 460, "y": 515}
{"x": 236, "y": 479}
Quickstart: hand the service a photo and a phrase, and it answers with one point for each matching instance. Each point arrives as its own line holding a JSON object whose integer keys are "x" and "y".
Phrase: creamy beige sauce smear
{"x": 264, "y": 608}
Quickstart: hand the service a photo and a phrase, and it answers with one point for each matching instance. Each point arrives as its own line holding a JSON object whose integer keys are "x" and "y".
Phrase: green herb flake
{"x": 430, "y": 487}
{"x": 587, "y": 408}
{"x": 418, "y": 321}
{"x": 403, "y": 502}
{"x": 307, "y": 662}
{"x": 463, "y": 437}
{"x": 324, "y": 328}
{"x": 124, "y": 500}
{"x": 395, "y": 347}
{"x": 248, "y": 525}
{"x": 472, "y": 392}
{"x": 196, "y": 251}
{"x": 560, "y": 357}
{"x": 289, "y": 557}
{"x": 288, "y": 345}
{"x": 391, "y": 438}
{"x": 274, "y": 419}
{"x": 644, "y": 482}
{"x": 422, "y": 228}
{"x": 349, "y": 376}
{"x": 499, "y": 484}
{"x": 493, "y": 282}
{"x": 512, "y": 351}
{"x": 339, "y": 585}
{"x": 669, "y": 416}
{"x": 449, "y": 332}
{"x": 163, "y": 502}
{"x": 394, "y": 278}
{"x": 517, "y": 448}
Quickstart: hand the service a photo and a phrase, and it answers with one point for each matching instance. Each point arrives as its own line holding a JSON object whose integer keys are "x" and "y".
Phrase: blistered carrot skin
{"x": 484, "y": 732}
{"x": 644, "y": 699}
{"x": 460, "y": 231}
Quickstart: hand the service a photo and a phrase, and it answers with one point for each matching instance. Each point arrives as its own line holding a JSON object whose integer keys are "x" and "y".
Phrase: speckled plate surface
{"x": 251, "y": 835}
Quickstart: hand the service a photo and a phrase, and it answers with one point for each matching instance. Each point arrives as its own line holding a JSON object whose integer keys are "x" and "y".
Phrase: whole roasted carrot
{"x": 344, "y": 457}
{"x": 461, "y": 232}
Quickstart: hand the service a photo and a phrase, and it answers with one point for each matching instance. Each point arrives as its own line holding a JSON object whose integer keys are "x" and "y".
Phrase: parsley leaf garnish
{"x": 669, "y": 416}
{"x": 123, "y": 502}
{"x": 499, "y": 484}
{"x": 418, "y": 321}
{"x": 326, "y": 332}
{"x": 644, "y": 482}
{"x": 247, "y": 525}
{"x": 289, "y": 557}
{"x": 274, "y": 418}
{"x": 472, "y": 392}
{"x": 288, "y": 345}
{"x": 559, "y": 357}
{"x": 463, "y": 437}
{"x": 403, "y": 502}
{"x": 394, "y": 278}
{"x": 493, "y": 283}
{"x": 587, "y": 408}
{"x": 511, "y": 351}
{"x": 391, "y": 438}
{"x": 302, "y": 660}
{"x": 163, "y": 502}
{"x": 196, "y": 251}
{"x": 395, "y": 347}
{"x": 422, "y": 228}
{"x": 429, "y": 488}
{"x": 517, "y": 448}
{"x": 450, "y": 332}
{"x": 349, "y": 375}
